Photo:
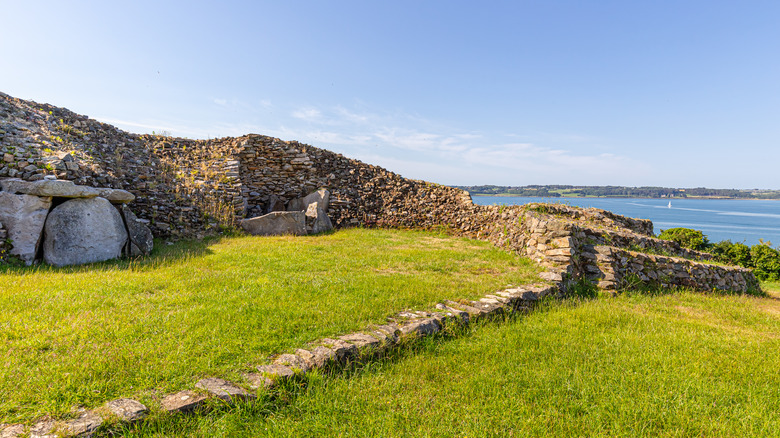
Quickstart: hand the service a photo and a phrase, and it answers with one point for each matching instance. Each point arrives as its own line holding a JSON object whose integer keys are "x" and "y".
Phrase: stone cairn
{"x": 65, "y": 224}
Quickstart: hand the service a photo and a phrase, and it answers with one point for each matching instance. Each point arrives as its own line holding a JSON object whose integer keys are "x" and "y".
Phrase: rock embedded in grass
{"x": 84, "y": 426}
{"x": 362, "y": 341}
{"x": 224, "y": 390}
{"x": 276, "y": 371}
{"x": 127, "y": 409}
{"x": 11, "y": 430}
{"x": 43, "y": 429}
{"x": 182, "y": 401}
{"x": 294, "y": 362}
{"x": 344, "y": 350}
{"x": 426, "y": 327}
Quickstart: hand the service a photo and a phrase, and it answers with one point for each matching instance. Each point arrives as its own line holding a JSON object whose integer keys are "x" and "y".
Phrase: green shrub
{"x": 686, "y": 237}
{"x": 766, "y": 261}
{"x": 734, "y": 253}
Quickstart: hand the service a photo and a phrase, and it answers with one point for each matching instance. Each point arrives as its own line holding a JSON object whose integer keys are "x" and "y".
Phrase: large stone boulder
{"x": 140, "y": 240}
{"x": 317, "y": 221}
{"x": 23, "y": 217}
{"x": 83, "y": 231}
{"x": 321, "y": 197}
{"x": 276, "y": 223}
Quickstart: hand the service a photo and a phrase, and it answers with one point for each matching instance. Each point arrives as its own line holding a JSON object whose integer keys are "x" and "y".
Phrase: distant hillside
{"x": 556, "y": 191}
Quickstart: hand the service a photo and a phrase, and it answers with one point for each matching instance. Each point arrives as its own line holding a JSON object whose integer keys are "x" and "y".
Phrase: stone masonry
{"x": 187, "y": 188}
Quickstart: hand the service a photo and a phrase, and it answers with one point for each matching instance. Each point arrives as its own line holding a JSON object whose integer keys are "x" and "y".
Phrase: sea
{"x": 737, "y": 220}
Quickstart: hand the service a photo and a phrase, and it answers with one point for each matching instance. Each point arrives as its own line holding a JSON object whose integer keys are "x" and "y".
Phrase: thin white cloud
{"x": 308, "y": 114}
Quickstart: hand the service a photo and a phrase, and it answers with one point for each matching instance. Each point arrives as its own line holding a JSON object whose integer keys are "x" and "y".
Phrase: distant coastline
{"x": 566, "y": 191}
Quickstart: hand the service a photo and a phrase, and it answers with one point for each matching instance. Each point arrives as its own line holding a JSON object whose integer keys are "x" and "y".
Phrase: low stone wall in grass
{"x": 619, "y": 268}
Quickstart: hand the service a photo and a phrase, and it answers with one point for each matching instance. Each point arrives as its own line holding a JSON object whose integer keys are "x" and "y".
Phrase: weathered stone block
{"x": 224, "y": 390}
{"x": 321, "y": 197}
{"x": 317, "y": 221}
{"x": 182, "y": 401}
{"x": 127, "y": 410}
{"x": 140, "y": 238}
{"x": 276, "y": 223}
{"x": 23, "y": 217}
{"x": 294, "y": 362}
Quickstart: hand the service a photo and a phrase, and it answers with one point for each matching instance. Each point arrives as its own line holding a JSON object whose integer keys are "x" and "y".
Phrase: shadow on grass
{"x": 162, "y": 255}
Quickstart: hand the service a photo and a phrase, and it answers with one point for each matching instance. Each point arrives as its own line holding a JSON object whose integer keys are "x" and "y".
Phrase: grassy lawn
{"x": 83, "y": 335}
{"x": 681, "y": 364}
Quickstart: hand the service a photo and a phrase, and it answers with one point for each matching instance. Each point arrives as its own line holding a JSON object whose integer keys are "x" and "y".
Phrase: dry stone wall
{"x": 186, "y": 188}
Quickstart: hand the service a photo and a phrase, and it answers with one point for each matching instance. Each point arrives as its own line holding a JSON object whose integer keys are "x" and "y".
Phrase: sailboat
{"x": 670, "y": 204}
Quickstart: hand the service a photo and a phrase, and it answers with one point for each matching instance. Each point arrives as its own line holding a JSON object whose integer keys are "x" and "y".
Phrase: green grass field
{"x": 84, "y": 335}
{"x": 679, "y": 364}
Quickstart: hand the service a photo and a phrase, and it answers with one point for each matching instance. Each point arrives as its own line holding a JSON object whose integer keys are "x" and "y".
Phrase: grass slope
{"x": 83, "y": 335}
{"x": 682, "y": 364}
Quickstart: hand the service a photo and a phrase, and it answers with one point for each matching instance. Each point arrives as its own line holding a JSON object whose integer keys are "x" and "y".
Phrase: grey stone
{"x": 343, "y": 350}
{"x": 127, "y": 409}
{"x": 551, "y": 276}
{"x": 56, "y": 188}
{"x": 361, "y": 341}
{"x": 323, "y": 356}
{"x": 140, "y": 238}
{"x": 317, "y": 221}
{"x": 425, "y": 327}
{"x": 472, "y": 311}
{"x": 276, "y": 371}
{"x": 293, "y": 361}
{"x": 23, "y": 217}
{"x": 84, "y": 426}
{"x": 321, "y": 197}
{"x": 11, "y": 431}
{"x": 224, "y": 390}
{"x": 276, "y": 223}
{"x": 274, "y": 204}
{"x": 116, "y": 196}
{"x": 258, "y": 380}
{"x": 182, "y": 401}
{"x": 43, "y": 429}
{"x": 83, "y": 231}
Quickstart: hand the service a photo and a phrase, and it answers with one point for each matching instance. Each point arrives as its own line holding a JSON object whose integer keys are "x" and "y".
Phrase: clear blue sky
{"x": 628, "y": 92}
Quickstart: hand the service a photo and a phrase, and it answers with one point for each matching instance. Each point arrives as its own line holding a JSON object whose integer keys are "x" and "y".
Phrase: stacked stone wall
{"x": 186, "y": 188}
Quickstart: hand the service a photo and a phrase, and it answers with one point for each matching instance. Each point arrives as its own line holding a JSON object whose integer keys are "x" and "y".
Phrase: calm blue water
{"x": 719, "y": 219}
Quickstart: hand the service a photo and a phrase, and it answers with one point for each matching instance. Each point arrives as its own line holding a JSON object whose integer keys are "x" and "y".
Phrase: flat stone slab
{"x": 425, "y": 327}
{"x": 43, "y": 429}
{"x": 84, "y": 426}
{"x": 294, "y": 362}
{"x": 361, "y": 341}
{"x": 344, "y": 350}
{"x": 183, "y": 401}
{"x": 56, "y": 188}
{"x": 116, "y": 196}
{"x": 127, "y": 409}
{"x": 321, "y": 356}
{"x": 12, "y": 430}
{"x": 224, "y": 390}
{"x": 258, "y": 380}
{"x": 276, "y": 371}
{"x": 276, "y": 223}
